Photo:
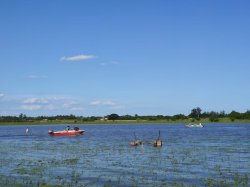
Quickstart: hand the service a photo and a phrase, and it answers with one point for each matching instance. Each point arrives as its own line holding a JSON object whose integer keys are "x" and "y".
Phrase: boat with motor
{"x": 194, "y": 125}
{"x": 67, "y": 132}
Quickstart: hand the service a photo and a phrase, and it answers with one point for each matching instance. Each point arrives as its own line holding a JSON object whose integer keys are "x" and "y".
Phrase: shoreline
{"x": 119, "y": 122}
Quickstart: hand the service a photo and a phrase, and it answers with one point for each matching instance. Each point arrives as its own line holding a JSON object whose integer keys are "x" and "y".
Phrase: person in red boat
{"x": 76, "y": 128}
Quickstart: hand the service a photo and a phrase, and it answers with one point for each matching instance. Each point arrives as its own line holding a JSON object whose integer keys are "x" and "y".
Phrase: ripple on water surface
{"x": 102, "y": 156}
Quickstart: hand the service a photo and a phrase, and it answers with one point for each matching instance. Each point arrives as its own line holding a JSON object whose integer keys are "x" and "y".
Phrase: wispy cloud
{"x": 77, "y": 109}
{"x": 51, "y": 103}
{"x": 34, "y": 100}
{"x": 77, "y": 58}
{"x": 103, "y": 103}
{"x": 58, "y": 98}
{"x": 72, "y": 105}
{"x": 31, "y": 107}
{"x": 35, "y": 103}
{"x": 47, "y": 107}
{"x": 109, "y": 63}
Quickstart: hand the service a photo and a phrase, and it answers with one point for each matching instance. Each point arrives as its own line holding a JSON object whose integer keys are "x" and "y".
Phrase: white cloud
{"x": 109, "y": 103}
{"x": 72, "y": 105}
{"x": 103, "y": 103}
{"x": 34, "y": 100}
{"x": 69, "y": 104}
{"x": 57, "y": 98}
{"x": 77, "y": 58}
{"x": 31, "y": 107}
{"x": 47, "y": 103}
{"x": 77, "y": 109}
{"x": 109, "y": 63}
{"x": 66, "y": 105}
{"x": 50, "y": 107}
{"x": 95, "y": 103}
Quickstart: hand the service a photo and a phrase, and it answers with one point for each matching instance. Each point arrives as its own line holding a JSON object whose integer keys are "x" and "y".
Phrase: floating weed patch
{"x": 21, "y": 170}
{"x": 241, "y": 180}
{"x": 71, "y": 161}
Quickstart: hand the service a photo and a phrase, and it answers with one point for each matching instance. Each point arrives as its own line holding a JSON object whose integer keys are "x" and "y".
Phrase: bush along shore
{"x": 196, "y": 115}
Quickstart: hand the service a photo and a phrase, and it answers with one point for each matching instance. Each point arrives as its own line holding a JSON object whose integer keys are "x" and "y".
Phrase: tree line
{"x": 196, "y": 114}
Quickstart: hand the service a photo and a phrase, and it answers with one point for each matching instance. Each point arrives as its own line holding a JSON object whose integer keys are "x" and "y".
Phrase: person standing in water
{"x": 67, "y": 128}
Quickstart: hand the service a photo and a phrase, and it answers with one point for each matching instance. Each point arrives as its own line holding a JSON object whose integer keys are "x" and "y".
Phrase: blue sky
{"x": 145, "y": 57}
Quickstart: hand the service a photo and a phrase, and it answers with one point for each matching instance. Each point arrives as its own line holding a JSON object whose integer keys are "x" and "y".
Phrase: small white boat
{"x": 194, "y": 125}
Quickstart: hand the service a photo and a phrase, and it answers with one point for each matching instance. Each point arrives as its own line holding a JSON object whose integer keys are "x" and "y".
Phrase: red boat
{"x": 71, "y": 132}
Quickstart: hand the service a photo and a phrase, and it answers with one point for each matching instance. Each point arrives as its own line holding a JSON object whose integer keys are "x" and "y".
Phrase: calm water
{"x": 214, "y": 155}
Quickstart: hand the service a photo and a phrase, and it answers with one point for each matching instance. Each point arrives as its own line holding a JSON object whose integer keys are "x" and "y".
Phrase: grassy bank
{"x": 206, "y": 120}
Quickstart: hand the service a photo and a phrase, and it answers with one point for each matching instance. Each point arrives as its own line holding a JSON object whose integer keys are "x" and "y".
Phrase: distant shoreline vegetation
{"x": 196, "y": 115}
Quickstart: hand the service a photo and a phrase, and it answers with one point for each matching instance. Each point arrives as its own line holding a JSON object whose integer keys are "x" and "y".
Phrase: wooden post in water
{"x": 158, "y": 141}
{"x": 135, "y": 142}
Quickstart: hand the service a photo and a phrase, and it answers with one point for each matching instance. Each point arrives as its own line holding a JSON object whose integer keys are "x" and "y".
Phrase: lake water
{"x": 216, "y": 155}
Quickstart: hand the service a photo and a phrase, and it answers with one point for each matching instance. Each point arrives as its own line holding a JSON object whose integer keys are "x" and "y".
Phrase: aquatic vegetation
{"x": 71, "y": 161}
{"x": 103, "y": 157}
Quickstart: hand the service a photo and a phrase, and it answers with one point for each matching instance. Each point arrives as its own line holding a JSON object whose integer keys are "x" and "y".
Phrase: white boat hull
{"x": 195, "y": 125}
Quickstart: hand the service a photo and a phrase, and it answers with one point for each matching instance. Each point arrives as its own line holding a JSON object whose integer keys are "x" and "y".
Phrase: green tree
{"x": 213, "y": 116}
{"x": 179, "y": 117}
{"x": 21, "y": 116}
{"x": 234, "y": 115}
{"x": 195, "y": 113}
{"x": 246, "y": 115}
{"x": 113, "y": 117}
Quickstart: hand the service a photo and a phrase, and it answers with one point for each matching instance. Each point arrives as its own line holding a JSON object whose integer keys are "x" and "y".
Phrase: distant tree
{"x": 159, "y": 117}
{"x": 234, "y": 115}
{"x": 179, "y": 117}
{"x": 126, "y": 117}
{"x": 246, "y": 115}
{"x": 136, "y": 117}
{"x": 195, "y": 113}
{"x": 152, "y": 118}
{"x": 222, "y": 114}
{"x": 71, "y": 116}
{"x": 21, "y": 116}
{"x": 113, "y": 117}
{"x": 214, "y": 116}
{"x": 167, "y": 117}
